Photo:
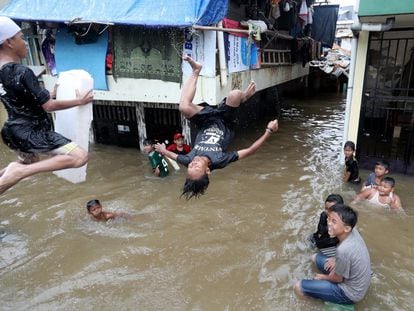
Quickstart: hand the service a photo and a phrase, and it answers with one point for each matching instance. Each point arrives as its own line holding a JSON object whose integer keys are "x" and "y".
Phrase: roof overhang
{"x": 160, "y": 13}
{"x": 401, "y": 20}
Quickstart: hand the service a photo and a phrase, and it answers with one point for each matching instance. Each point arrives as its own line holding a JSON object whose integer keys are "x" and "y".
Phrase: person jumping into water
{"x": 28, "y": 128}
{"x": 215, "y": 126}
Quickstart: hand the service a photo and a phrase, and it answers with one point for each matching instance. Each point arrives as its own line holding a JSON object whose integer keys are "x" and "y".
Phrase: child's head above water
{"x": 91, "y": 203}
{"x": 349, "y": 149}
{"x": 348, "y": 216}
{"x": 148, "y": 145}
{"x": 337, "y": 198}
{"x": 382, "y": 168}
{"x": 388, "y": 181}
{"x": 178, "y": 139}
{"x": 333, "y": 199}
{"x": 94, "y": 207}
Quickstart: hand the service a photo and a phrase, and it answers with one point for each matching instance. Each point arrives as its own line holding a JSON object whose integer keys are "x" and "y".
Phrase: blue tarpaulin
{"x": 133, "y": 12}
{"x": 89, "y": 57}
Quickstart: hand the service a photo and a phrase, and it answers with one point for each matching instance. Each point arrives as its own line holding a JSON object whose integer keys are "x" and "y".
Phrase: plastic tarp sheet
{"x": 89, "y": 57}
{"x": 133, "y": 12}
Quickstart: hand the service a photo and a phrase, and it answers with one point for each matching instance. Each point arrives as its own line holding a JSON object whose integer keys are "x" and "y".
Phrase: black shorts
{"x": 32, "y": 136}
{"x": 222, "y": 111}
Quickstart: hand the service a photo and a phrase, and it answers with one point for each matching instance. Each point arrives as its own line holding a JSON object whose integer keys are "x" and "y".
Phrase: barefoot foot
{"x": 196, "y": 66}
{"x": 11, "y": 176}
{"x": 249, "y": 91}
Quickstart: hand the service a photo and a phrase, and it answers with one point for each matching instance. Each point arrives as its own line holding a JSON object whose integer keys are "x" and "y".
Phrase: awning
{"x": 134, "y": 12}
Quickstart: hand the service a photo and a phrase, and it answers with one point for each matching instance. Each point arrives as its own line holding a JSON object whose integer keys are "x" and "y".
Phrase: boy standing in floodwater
{"x": 28, "y": 129}
{"x": 158, "y": 163}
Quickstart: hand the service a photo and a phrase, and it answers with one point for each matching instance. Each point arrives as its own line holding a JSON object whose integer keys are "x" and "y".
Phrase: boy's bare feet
{"x": 249, "y": 91}
{"x": 196, "y": 66}
{"x": 11, "y": 176}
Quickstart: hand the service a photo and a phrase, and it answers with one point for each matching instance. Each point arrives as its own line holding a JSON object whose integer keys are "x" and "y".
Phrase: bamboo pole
{"x": 245, "y": 31}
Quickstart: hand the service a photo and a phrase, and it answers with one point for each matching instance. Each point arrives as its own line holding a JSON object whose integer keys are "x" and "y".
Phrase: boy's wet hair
{"x": 337, "y": 198}
{"x": 195, "y": 188}
{"x": 389, "y": 180}
{"x": 350, "y": 144}
{"x": 346, "y": 213}
{"x": 384, "y": 163}
{"x": 147, "y": 142}
{"x": 92, "y": 203}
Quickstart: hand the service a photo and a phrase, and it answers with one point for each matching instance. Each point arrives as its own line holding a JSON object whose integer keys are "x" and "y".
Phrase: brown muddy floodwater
{"x": 240, "y": 247}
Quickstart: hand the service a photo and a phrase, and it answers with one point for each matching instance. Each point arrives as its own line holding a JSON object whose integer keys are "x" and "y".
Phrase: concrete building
{"x": 139, "y": 93}
{"x": 380, "y": 101}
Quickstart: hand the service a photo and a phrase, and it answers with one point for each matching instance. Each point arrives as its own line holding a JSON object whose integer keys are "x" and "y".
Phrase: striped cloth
{"x": 329, "y": 251}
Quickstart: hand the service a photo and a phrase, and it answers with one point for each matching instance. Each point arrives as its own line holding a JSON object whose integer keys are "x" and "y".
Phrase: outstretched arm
{"x": 272, "y": 127}
{"x": 163, "y": 150}
{"x": 60, "y": 104}
{"x": 363, "y": 195}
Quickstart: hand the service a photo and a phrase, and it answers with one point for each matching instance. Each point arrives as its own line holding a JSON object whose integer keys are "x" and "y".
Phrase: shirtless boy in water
{"x": 94, "y": 208}
{"x": 383, "y": 195}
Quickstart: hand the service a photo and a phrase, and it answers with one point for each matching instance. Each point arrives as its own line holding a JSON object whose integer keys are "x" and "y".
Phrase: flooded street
{"x": 239, "y": 247}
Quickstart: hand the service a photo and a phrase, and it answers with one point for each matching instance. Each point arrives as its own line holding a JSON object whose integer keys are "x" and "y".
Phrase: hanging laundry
{"x": 310, "y": 17}
{"x": 303, "y": 13}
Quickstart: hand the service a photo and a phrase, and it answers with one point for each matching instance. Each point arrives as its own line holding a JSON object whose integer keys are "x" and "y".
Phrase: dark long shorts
{"x": 32, "y": 136}
{"x": 222, "y": 111}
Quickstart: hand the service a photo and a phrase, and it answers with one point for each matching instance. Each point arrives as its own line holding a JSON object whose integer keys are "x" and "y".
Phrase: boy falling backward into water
{"x": 28, "y": 128}
{"x": 215, "y": 131}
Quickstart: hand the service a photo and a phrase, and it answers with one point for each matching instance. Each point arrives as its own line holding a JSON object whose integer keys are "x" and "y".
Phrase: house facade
{"x": 133, "y": 50}
{"x": 380, "y": 107}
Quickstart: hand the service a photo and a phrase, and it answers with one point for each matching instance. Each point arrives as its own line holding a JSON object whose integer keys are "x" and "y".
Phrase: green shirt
{"x": 158, "y": 160}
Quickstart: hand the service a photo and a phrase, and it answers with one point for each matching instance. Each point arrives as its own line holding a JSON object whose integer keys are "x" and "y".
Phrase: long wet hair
{"x": 195, "y": 188}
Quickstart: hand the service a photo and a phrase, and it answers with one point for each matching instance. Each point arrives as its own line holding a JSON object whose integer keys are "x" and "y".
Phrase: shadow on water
{"x": 240, "y": 247}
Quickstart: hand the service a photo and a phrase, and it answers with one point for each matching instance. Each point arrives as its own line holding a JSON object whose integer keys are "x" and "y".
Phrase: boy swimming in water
{"x": 94, "y": 208}
{"x": 215, "y": 131}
